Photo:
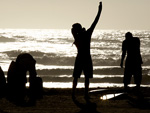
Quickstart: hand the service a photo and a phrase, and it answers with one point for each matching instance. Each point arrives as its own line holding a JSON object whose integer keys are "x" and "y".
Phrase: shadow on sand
{"x": 87, "y": 107}
{"x": 138, "y": 100}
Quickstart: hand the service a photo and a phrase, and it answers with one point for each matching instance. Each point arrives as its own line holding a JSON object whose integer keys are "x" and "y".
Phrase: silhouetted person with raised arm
{"x": 131, "y": 47}
{"x": 83, "y": 60}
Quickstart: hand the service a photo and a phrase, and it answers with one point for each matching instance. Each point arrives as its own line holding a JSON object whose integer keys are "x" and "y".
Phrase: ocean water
{"x": 55, "y": 54}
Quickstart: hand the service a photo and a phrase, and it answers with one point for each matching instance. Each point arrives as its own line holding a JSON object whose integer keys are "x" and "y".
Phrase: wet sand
{"x": 60, "y": 101}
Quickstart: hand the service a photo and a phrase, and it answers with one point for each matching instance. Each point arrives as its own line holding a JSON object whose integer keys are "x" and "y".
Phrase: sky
{"x": 61, "y": 14}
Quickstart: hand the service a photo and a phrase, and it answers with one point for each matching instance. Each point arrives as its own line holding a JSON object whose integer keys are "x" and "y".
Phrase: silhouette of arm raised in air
{"x": 97, "y": 17}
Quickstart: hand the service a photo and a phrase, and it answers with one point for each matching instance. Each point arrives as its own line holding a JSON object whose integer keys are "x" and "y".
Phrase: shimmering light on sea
{"x": 81, "y": 85}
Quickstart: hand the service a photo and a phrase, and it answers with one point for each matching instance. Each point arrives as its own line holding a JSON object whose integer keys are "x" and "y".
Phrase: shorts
{"x": 83, "y": 63}
{"x": 135, "y": 71}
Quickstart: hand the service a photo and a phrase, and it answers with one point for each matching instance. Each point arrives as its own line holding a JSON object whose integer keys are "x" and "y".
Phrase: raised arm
{"x": 97, "y": 17}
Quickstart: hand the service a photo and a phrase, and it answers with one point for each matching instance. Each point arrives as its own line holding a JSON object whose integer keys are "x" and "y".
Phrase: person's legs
{"x": 75, "y": 80}
{"x": 125, "y": 86}
{"x": 127, "y": 78}
{"x": 138, "y": 77}
{"x": 86, "y": 87}
{"x": 76, "y": 74}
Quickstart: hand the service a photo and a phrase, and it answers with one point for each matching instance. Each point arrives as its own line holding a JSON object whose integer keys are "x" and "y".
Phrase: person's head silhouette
{"x": 128, "y": 35}
{"x": 77, "y": 28}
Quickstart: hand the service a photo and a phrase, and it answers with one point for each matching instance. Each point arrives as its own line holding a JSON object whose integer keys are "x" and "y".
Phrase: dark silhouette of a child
{"x": 83, "y": 60}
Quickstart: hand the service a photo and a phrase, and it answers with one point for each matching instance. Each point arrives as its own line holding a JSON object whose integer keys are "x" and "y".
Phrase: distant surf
{"x": 55, "y": 54}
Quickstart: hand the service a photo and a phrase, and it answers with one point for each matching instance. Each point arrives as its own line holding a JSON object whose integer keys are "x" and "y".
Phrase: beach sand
{"x": 60, "y": 101}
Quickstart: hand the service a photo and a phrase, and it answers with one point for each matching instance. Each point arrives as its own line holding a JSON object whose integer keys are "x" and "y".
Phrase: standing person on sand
{"x": 131, "y": 46}
{"x": 83, "y": 60}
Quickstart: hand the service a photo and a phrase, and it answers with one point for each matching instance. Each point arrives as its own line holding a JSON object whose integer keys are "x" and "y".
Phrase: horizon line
{"x": 70, "y": 28}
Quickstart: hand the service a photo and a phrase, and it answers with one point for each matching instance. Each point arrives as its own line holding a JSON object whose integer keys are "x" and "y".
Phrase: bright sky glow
{"x": 61, "y": 14}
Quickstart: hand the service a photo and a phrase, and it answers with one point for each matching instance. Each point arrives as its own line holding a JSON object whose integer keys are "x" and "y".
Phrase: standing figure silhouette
{"x": 131, "y": 46}
{"x": 83, "y": 60}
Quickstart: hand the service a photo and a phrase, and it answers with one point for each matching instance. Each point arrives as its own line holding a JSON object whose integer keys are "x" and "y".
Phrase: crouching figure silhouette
{"x": 17, "y": 79}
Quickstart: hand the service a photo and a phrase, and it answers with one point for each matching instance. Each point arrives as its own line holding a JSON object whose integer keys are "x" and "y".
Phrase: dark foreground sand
{"x": 60, "y": 101}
